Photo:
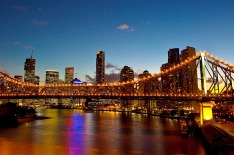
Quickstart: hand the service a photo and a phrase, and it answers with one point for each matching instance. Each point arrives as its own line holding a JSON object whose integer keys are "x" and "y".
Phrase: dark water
{"x": 74, "y": 132}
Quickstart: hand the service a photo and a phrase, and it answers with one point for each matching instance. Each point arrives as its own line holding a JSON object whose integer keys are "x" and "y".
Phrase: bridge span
{"x": 202, "y": 78}
{"x": 210, "y": 79}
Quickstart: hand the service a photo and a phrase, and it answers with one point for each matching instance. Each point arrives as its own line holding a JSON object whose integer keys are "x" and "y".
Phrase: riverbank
{"x": 11, "y": 115}
{"x": 13, "y": 121}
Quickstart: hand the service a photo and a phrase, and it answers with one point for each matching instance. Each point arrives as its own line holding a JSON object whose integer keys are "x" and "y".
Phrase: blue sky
{"x": 136, "y": 33}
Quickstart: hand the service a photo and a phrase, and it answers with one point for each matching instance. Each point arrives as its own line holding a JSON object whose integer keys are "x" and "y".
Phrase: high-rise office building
{"x": 52, "y": 77}
{"x": 19, "y": 77}
{"x": 189, "y": 81}
{"x": 29, "y": 69}
{"x": 126, "y": 74}
{"x": 174, "y": 56}
{"x": 100, "y": 67}
{"x": 170, "y": 82}
{"x": 189, "y": 73}
{"x": 145, "y": 87}
{"x": 166, "y": 80}
{"x": 69, "y": 74}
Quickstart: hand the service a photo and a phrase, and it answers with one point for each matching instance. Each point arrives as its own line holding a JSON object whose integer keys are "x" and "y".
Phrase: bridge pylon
{"x": 206, "y": 113}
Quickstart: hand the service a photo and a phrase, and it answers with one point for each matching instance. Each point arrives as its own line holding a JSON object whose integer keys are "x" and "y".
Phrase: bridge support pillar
{"x": 206, "y": 113}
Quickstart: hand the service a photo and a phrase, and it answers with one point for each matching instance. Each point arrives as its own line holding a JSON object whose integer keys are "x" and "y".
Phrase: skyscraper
{"x": 170, "y": 82}
{"x": 145, "y": 87}
{"x": 189, "y": 81}
{"x": 189, "y": 73}
{"x": 174, "y": 56}
{"x": 69, "y": 74}
{"x": 52, "y": 77}
{"x": 126, "y": 74}
{"x": 29, "y": 69}
{"x": 100, "y": 67}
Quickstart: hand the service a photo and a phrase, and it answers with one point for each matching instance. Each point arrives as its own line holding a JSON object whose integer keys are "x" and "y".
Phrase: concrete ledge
{"x": 216, "y": 136}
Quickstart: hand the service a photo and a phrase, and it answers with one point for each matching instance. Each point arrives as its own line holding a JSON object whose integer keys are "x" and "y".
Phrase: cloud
{"x": 109, "y": 78}
{"x": 111, "y": 66}
{"x": 40, "y": 23}
{"x": 112, "y": 77}
{"x": 20, "y": 44}
{"x": 123, "y": 27}
{"x": 137, "y": 73}
{"x": 28, "y": 47}
{"x": 145, "y": 22}
{"x": 89, "y": 79}
{"x": 19, "y": 8}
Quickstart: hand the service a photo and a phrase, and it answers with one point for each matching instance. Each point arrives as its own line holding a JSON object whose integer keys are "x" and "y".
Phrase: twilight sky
{"x": 136, "y": 33}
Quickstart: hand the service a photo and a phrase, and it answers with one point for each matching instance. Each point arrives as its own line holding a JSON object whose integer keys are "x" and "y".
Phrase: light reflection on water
{"x": 75, "y": 132}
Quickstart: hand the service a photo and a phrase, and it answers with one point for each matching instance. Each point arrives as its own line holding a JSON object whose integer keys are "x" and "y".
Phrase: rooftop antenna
{"x": 32, "y": 53}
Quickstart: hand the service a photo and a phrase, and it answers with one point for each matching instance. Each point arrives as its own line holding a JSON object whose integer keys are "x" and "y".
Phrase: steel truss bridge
{"x": 201, "y": 77}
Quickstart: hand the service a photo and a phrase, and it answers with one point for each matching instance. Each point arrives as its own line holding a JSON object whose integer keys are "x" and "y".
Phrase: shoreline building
{"x": 183, "y": 80}
{"x": 52, "y": 77}
{"x": 189, "y": 79}
{"x": 170, "y": 82}
{"x": 126, "y": 74}
{"x": 100, "y": 67}
{"x": 145, "y": 87}
{"x": 189, "y": 74}
{"x": 69, "y": 74}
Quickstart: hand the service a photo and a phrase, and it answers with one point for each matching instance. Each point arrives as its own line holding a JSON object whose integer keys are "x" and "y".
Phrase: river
{"x": 76, "y": 132}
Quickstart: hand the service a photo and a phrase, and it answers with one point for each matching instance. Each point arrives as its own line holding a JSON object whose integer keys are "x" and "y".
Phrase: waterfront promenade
{"x": 219, "y": 135}
{"x": 228, "y": 127}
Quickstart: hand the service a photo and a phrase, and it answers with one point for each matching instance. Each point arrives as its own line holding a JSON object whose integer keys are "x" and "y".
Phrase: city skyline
{"x": 133, "y": 33}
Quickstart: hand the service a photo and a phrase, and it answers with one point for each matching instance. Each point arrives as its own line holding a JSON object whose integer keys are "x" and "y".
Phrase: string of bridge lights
{"x": 166, "y": 71}
{"x": 194, "y": 96}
